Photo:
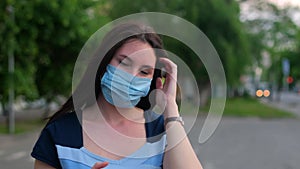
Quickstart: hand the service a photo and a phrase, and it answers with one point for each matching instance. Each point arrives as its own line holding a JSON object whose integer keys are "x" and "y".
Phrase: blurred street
{"x": 289, "y": 101}
{"x": 238, "y": 143}
{"x": 15, "y": 150}
{"x": 248, "y": 143}
{"x": 244, "y": 51}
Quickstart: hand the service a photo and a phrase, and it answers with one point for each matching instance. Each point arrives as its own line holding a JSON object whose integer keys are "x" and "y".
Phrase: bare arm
{"x": 179, "y": 153}
{"x": 41, "y": 165}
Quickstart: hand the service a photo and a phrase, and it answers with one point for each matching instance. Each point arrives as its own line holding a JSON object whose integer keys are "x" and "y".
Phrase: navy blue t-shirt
{"x": 61, "y": 145}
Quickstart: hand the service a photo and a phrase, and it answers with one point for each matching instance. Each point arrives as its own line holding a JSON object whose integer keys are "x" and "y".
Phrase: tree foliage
{"x": 293, "y": 57}
{"x": 46, "y": 38}
{"x": 218, "y": 19}
{"x": 273, "y": 31}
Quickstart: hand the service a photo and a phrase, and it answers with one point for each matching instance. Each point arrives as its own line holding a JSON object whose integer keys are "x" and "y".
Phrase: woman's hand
{"x": 166, "y": 94}
{"x": 99, "y": 165}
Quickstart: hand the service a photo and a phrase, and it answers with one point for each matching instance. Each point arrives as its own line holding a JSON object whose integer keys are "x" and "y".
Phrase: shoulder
{"x": 66, "y": 130}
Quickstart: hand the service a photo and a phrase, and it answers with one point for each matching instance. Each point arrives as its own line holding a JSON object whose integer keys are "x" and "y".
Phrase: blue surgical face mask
{"x": 122, "y": 89}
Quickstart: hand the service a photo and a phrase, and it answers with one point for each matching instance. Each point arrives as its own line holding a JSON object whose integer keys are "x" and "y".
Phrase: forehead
{"x": 135, "y": 49}
{"x": 133, "y": 46}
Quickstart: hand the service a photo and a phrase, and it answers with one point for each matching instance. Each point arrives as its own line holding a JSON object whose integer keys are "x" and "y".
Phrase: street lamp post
{"x": 11, "y": 70}
{"x": 286, "y": 72}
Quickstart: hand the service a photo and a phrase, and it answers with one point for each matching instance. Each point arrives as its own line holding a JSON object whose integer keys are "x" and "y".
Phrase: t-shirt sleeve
{"x": 45, "y": 150}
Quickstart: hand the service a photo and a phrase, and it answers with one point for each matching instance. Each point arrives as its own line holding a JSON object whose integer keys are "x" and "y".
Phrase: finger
{"x": 99, "y": 165}
{"x": 169, "y": 65}
{"x": 169, "y": 86}
{"x": 166, "y": 60}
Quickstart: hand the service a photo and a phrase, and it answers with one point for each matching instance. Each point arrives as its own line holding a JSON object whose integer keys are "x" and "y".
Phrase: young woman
{"x": 111, "y": 125}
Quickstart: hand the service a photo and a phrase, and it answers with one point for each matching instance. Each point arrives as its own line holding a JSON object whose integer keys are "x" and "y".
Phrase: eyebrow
{"x": 147, "y": 67}
{"x": 126, "y": 57}
{"x": 130, "y": 60}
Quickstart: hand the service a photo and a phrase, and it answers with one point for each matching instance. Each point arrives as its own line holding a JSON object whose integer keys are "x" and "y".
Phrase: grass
{"x": 23, "y": 126}
{"x": 248, "y": 107}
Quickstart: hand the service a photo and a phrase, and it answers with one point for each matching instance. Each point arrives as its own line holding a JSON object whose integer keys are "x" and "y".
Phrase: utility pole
{"x": 11, "y": 70}
{"x": 286, "y": 72}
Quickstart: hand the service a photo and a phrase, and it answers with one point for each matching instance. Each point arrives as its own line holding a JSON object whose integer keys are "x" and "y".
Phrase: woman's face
{"x": 135, "y": 57}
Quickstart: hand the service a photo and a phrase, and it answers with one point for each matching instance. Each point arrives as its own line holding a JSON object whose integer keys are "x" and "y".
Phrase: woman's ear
{"x": 159, "y": 83}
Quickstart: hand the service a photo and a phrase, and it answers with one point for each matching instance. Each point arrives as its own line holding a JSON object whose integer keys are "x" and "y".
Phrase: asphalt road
{"x": 15, "y": 150}
{"x": 250, "y": 143}
{"x": 237, "y": 144}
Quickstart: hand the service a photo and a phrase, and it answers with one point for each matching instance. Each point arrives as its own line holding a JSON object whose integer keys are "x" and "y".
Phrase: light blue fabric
{"x": 149, "y": 156}
{"x": 122, "y": 89}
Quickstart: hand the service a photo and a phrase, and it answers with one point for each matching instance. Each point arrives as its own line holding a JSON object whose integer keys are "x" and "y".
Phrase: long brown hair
{"x": 114, "y": 39}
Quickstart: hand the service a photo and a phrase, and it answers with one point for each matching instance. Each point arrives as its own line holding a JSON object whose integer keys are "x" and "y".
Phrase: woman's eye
{"x": 144, "y": 72}
{"x": 122, "y": 63}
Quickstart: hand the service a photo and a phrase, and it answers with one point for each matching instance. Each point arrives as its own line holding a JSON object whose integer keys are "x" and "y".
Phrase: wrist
{"x": 177, "y": 119}
{"x": 171, "y": 110}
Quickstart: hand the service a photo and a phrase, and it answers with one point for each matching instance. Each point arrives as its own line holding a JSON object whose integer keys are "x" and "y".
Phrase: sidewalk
{"x": 15, "y": 149}
{"x": 27, "y": 114}
{"x": 288, "y": 101}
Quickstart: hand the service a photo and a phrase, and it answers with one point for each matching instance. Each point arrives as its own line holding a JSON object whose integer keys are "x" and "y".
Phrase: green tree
{"x": 218, "y": 19}
{"x": 293, "y": 57}
{"x": 275, "y": 32}
{"x": 46, "y": 37}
